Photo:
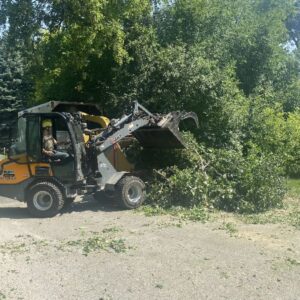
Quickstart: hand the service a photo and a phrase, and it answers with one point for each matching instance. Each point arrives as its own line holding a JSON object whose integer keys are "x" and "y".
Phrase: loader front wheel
{"x": 130, "y": 192}
{"x": 45, "y": 200}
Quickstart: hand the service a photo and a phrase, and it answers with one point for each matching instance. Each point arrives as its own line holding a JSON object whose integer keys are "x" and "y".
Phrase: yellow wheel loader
{"x": 93, "y": 161}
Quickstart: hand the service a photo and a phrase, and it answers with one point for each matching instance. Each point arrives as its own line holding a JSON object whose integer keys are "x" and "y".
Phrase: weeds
{"x": 230, "y": 228}
{"x": 97, "y": 243}
{"x": 111, "y": 229}
{"x": 13, "y": 248}
{"x": 104, "y": 241}
{"x": 2, "y": 296}
{"x": 159, "y": 286}
{"x": 292, "y": 262}
{"x": 224, "y": 275}
{"x": 196, "y": 214}
{"x": 94, "y": 243}
{"x": 289, "y": 214}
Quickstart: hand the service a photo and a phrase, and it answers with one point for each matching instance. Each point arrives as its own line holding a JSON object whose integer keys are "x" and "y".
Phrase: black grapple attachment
{"x": 164, "y": 133}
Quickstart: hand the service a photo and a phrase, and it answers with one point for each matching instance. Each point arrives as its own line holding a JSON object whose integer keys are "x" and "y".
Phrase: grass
{"x": 196, "y": 214}
{"x": 292, "y": 262}
{"x": 293, "y": 187}
{"x": 2, "y": 296}
{"x": 289, "y": 214}
{"x": 229, "y": 227}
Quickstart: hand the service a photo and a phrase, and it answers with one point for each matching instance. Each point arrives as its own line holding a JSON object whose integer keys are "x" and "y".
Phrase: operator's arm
{"x": 47, "y": 149}
{"x": 47, "y": 152}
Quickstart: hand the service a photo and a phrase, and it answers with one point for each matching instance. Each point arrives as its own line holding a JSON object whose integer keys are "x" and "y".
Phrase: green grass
{"x": 292, "y": 262}
{"x": 2, "y": 296}
{"x": 229, "y": 227}
{"x": 289, "y": 214}
{"x": 196, "y": 214}
{"x": 293, "y": 186}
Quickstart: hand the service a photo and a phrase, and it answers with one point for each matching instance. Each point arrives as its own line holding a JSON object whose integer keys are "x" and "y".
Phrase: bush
{"x": 292, "y": 148}
{"x": 278, "y": 134}
{"x": 218, "y": 178}
{"x": 255, "y": 180}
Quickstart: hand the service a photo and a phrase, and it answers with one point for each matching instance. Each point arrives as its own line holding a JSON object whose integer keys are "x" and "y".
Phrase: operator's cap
{"x": 47, "y": 123}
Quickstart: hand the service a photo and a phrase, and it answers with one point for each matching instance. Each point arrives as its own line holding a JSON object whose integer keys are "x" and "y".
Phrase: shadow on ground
{"x": 86, "y": 204}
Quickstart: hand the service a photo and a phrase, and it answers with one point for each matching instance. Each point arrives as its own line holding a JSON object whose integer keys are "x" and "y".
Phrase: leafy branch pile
{"x": 214, "y": 178}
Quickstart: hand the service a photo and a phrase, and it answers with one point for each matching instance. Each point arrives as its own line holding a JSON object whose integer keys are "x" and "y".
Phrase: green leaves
{"x": 82, "y": 46}
{"x": 14, "y": 85}
{"x": 220, "y": 178}
{"x": 229, "y": 61}
{"x": 278, "y": 133}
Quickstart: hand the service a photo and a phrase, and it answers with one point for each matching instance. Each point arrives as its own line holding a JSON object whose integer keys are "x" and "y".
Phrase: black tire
{"x": 45, "y": 200}
{"x": 130, "y": 192}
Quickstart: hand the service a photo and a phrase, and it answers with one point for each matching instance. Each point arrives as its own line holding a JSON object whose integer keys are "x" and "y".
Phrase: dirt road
{"x": 93, "y": 251}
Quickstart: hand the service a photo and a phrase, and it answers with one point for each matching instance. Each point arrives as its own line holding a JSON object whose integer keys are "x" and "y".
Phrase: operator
{"x": 49, "y": 142}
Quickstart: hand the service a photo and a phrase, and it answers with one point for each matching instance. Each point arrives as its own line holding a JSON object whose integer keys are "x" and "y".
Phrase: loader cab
{"x": 29, "y": 144}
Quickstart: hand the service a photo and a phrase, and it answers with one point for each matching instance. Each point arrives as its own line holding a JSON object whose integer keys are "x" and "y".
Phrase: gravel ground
{"x": 93, "y": 251}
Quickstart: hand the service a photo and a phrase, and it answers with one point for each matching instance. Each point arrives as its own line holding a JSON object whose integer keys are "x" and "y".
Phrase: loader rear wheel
{"x": 130, "y": 192}
{"x": 45, "y": 200}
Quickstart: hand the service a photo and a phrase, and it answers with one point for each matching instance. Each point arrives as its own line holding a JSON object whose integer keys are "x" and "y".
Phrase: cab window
{"x": 19, "y": 147}
{"x": 34, "y": 138}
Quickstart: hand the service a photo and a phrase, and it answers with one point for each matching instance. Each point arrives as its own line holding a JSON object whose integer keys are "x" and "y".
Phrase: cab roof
{"x": 58, "y": 106}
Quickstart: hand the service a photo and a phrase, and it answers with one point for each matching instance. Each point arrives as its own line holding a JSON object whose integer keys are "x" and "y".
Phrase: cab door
{"x": 38, "y": 167}
{"x": 33, "y": 138}
{"x": 63, "y": 169}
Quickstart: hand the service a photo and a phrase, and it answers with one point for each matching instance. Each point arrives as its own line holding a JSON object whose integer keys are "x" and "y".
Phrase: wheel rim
{"x": 42, "y": 200}
{"x": 134, "y": 193}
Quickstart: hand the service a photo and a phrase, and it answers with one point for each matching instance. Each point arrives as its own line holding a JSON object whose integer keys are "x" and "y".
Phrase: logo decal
{"x": 9, "y": 175}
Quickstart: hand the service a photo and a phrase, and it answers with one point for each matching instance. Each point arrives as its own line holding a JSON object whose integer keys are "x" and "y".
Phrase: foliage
{"x": 234, "y": 63}
{"x": 292, "y": 148}
{"x": 293, "y": 24}
{"x": 177, "y": 78}
{"x": 293, "y": 188}
{"x": 196, "y": 214}
{"x": 219, "y": 178}
{"x": 278, "y": 133}
{"x": 245, "y": 33}
{"x": 288, "y": 214}
{"x": 81, "y": 48}
{"x": 13, "y": 85}
{"x": 15, "y": 88}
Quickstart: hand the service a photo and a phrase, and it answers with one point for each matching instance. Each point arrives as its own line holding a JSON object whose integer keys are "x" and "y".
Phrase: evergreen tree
{"x": 14, "y": 89}
{"x": 11, "y": 81}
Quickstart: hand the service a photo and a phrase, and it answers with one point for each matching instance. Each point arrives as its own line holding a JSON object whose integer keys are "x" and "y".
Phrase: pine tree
{"x": 13, "y": 86}
{"x": 14, "y": 89}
